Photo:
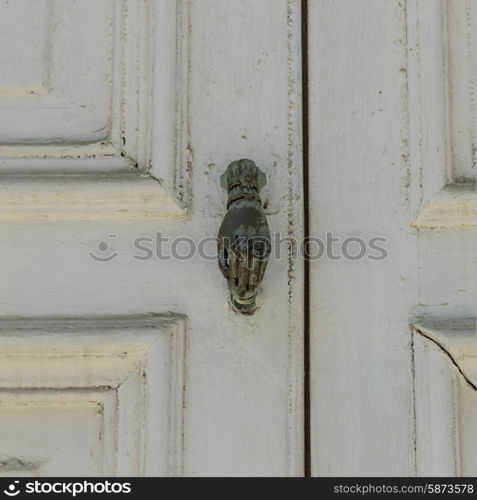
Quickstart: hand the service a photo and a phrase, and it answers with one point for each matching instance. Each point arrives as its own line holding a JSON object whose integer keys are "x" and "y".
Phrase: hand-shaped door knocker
{"x": 244, "y": 238}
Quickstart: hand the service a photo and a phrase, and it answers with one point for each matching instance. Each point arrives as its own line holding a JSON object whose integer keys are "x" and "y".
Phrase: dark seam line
{"x": 306, "y": 225}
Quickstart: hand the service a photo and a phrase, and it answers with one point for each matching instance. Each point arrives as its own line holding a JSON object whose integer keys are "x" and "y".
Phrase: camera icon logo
{"x": 104, "y": 252}
{"x": 12, "y": 490}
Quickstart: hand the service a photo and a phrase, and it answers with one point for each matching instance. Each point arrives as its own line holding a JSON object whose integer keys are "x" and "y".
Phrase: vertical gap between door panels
{"x": 306, "y": 347}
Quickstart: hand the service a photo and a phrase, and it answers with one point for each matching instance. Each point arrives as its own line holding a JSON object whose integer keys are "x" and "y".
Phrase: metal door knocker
{"x": 244, "y": 238}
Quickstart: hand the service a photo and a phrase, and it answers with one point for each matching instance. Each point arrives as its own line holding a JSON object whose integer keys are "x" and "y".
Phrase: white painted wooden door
{"x": 119, "y": 351}
{"x": 117, "y": 119}
{"x": 392, "y": 139}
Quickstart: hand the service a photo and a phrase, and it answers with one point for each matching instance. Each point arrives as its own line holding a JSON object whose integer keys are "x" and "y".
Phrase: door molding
{"x": 445, "y": 398}
{"x": 132, "y": 367}
{"x": 147, "y": 132}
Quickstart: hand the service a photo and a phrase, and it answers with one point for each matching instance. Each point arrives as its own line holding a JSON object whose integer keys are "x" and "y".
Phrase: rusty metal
{"x": 244, "y": 237}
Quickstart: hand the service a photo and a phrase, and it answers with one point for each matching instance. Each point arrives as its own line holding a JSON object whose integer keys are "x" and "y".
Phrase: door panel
{"x": 391, "y": 157}
{"x": 192, "y": 86}
{"x": 71, "y": 436}
{"x": 48, "y": 73}
{"x": 92, "y": 397}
